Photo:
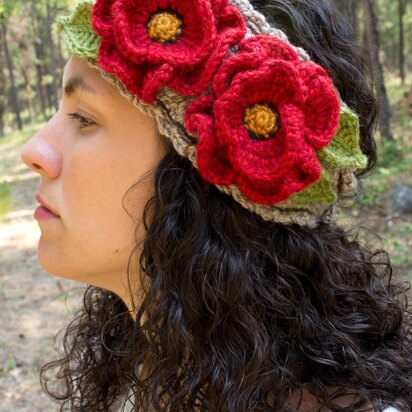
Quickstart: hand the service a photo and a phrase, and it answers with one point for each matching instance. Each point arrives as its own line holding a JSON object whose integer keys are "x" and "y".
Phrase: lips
{"x": 45, "y": 205}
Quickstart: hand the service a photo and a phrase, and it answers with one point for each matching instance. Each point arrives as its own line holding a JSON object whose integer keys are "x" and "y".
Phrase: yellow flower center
{"x": 261, "y": 120}
{"x": 164, "y": 27}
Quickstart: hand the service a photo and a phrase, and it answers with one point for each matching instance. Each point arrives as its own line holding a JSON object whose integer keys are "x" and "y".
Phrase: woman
{"x": 192, "y": 177}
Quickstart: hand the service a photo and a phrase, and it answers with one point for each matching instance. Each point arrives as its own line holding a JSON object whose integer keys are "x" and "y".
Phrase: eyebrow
{"x": 76, "y": 82}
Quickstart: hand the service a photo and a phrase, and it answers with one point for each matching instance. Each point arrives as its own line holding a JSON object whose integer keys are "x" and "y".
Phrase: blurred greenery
{"x": 394, "y": 165}
{"x": 10, "y": 147}
{"x": 5, "y": 200}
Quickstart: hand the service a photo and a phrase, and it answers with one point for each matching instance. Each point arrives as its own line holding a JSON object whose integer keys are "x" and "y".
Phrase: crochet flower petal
{"x": 195, "y": 80}
{"x": 322, "y": 106}
{"x": 229, "y": 68}
{"x": 270, "y": 190}
{"x": 211, "y": 157}
{"x": 344, "y": 151}
{"x": 260, "y": 104}
{"x": 276, "y": 82}
{"x": 210, "y": 153}
{"x": 195, "y": 42}
{"x": 199, "y": 114}
{"x": 112, "y": 61}
{"x": 295, "y": 159}
{"x": 77, "y": 31}
{"x": 176, "y": 43}
{"x": 266, "y": 45}
{"x": 230, "y": 23}
{"x": 265, "y": 166}
{"x": 136, "y": 78}
{"x": 102, "y": 17}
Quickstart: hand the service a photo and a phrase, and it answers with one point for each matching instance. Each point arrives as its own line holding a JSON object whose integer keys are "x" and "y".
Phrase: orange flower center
{"x": 164, "y": 27}
{"x": 261, "y": 120}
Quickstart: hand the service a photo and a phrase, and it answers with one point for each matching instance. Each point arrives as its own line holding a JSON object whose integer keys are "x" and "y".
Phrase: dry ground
{"x": 32, "y": 303}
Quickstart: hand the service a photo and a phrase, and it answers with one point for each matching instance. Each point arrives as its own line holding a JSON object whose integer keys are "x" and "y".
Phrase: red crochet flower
{"x": 149, "y": 44}
{"x": 267, "y": 115}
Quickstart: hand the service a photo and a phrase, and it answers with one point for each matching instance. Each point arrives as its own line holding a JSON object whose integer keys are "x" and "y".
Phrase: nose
{"x": 40, "y": 155}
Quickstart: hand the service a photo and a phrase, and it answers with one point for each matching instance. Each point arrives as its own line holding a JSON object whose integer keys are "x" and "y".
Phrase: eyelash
{"x": 83, "y": 121}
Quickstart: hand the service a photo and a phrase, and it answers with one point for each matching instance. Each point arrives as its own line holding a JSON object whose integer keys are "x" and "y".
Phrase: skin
{"x": 84, "y": 175}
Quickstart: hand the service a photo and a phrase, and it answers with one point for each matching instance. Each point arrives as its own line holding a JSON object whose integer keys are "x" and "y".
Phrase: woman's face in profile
{"x": 86, "y": 167}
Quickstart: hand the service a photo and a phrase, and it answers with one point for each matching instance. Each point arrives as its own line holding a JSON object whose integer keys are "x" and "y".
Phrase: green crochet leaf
{"x": 318, "y": 192}
{"x": 343, "y": 151}
{"x": 78, "y": 32}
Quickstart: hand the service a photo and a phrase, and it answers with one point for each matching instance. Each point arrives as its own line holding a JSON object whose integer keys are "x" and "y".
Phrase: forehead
{"x": 78, "y": 74}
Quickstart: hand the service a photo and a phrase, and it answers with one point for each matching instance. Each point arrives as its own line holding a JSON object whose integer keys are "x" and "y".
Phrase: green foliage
{"x": 399, "y": 251}
{"x": 389, "y": 153}
{"x": 46, "y": 79}
{"x": 389, "y": 32}
{"x": 406, "y": 228}
{"x": 373, "y": 193}
{"x": 10, "y": 144}
{"x": 8, "y": 365}
{"x": 394, "y": 163}
{"x": 6, "y": 9}
{"x": 5, "y": 200}
{"x": 16, "y": 138}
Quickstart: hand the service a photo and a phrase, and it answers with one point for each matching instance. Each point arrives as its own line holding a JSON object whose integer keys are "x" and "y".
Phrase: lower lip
{"x": 41, "y": 213}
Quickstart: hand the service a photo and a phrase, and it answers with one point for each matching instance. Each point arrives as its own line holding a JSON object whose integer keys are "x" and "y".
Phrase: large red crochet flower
{"x": 267, "y": 115}
{"x": 178, "y": 43}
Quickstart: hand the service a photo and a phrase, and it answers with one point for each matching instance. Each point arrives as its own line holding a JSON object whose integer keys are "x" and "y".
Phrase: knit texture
{"x": 77, "y": 30}
{"x": 185, "y": 62}
{"x": 251, "y": 112}
{"x": 270, "y": 163}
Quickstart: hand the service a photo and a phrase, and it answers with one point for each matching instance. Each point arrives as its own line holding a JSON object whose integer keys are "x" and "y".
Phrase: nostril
{"x": 36, "y": 166}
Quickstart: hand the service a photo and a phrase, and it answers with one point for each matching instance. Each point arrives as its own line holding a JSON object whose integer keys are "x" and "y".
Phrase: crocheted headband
{"x": 252, "y": 113}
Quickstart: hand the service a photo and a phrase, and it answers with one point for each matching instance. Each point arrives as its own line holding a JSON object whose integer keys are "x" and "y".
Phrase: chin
{"x": 53, "y": 261}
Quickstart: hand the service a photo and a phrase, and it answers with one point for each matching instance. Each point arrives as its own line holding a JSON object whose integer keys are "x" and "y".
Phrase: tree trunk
{"x": 39, "y": 53}
{"x": 9, "y": 61}
{"x": 401, "y": 11}
{"x": 26, "y": 72}
{"x": 373, "y": 45}
{"x": 52, "y": 49}
{"x": 2, "y": 88}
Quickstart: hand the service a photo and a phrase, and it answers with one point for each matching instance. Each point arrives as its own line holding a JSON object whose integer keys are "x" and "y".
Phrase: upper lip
{"x": 44, "y": 204}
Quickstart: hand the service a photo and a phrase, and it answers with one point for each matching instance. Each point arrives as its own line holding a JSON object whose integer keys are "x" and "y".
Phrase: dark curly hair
{"x": 238, "y": 313}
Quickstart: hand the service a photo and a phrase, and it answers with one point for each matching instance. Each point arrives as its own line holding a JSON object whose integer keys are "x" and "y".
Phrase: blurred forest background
{"x": 32, "y": 56}
{"x": 34, "y": 305}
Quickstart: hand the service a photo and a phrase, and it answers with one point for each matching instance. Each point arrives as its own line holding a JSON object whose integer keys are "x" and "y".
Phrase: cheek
{"x": 94, "y": 183}
{"x": 96, "y": 226}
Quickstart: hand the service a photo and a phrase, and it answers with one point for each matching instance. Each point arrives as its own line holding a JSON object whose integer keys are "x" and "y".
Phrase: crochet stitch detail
{"x": 261, "y": 120}
{"x": 344, "y": 150}
{"x": 164, "y": 27}
{"x": 267, "y": 171}
{"x": 186, "y": 65}
{"x": 342, "y": 153}
{"x": 337, "y": 157}
{"x": 77, "y": 31}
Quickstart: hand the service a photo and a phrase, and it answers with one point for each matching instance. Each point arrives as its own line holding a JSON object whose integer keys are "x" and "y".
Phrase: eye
{"x": 83, "y": 121}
